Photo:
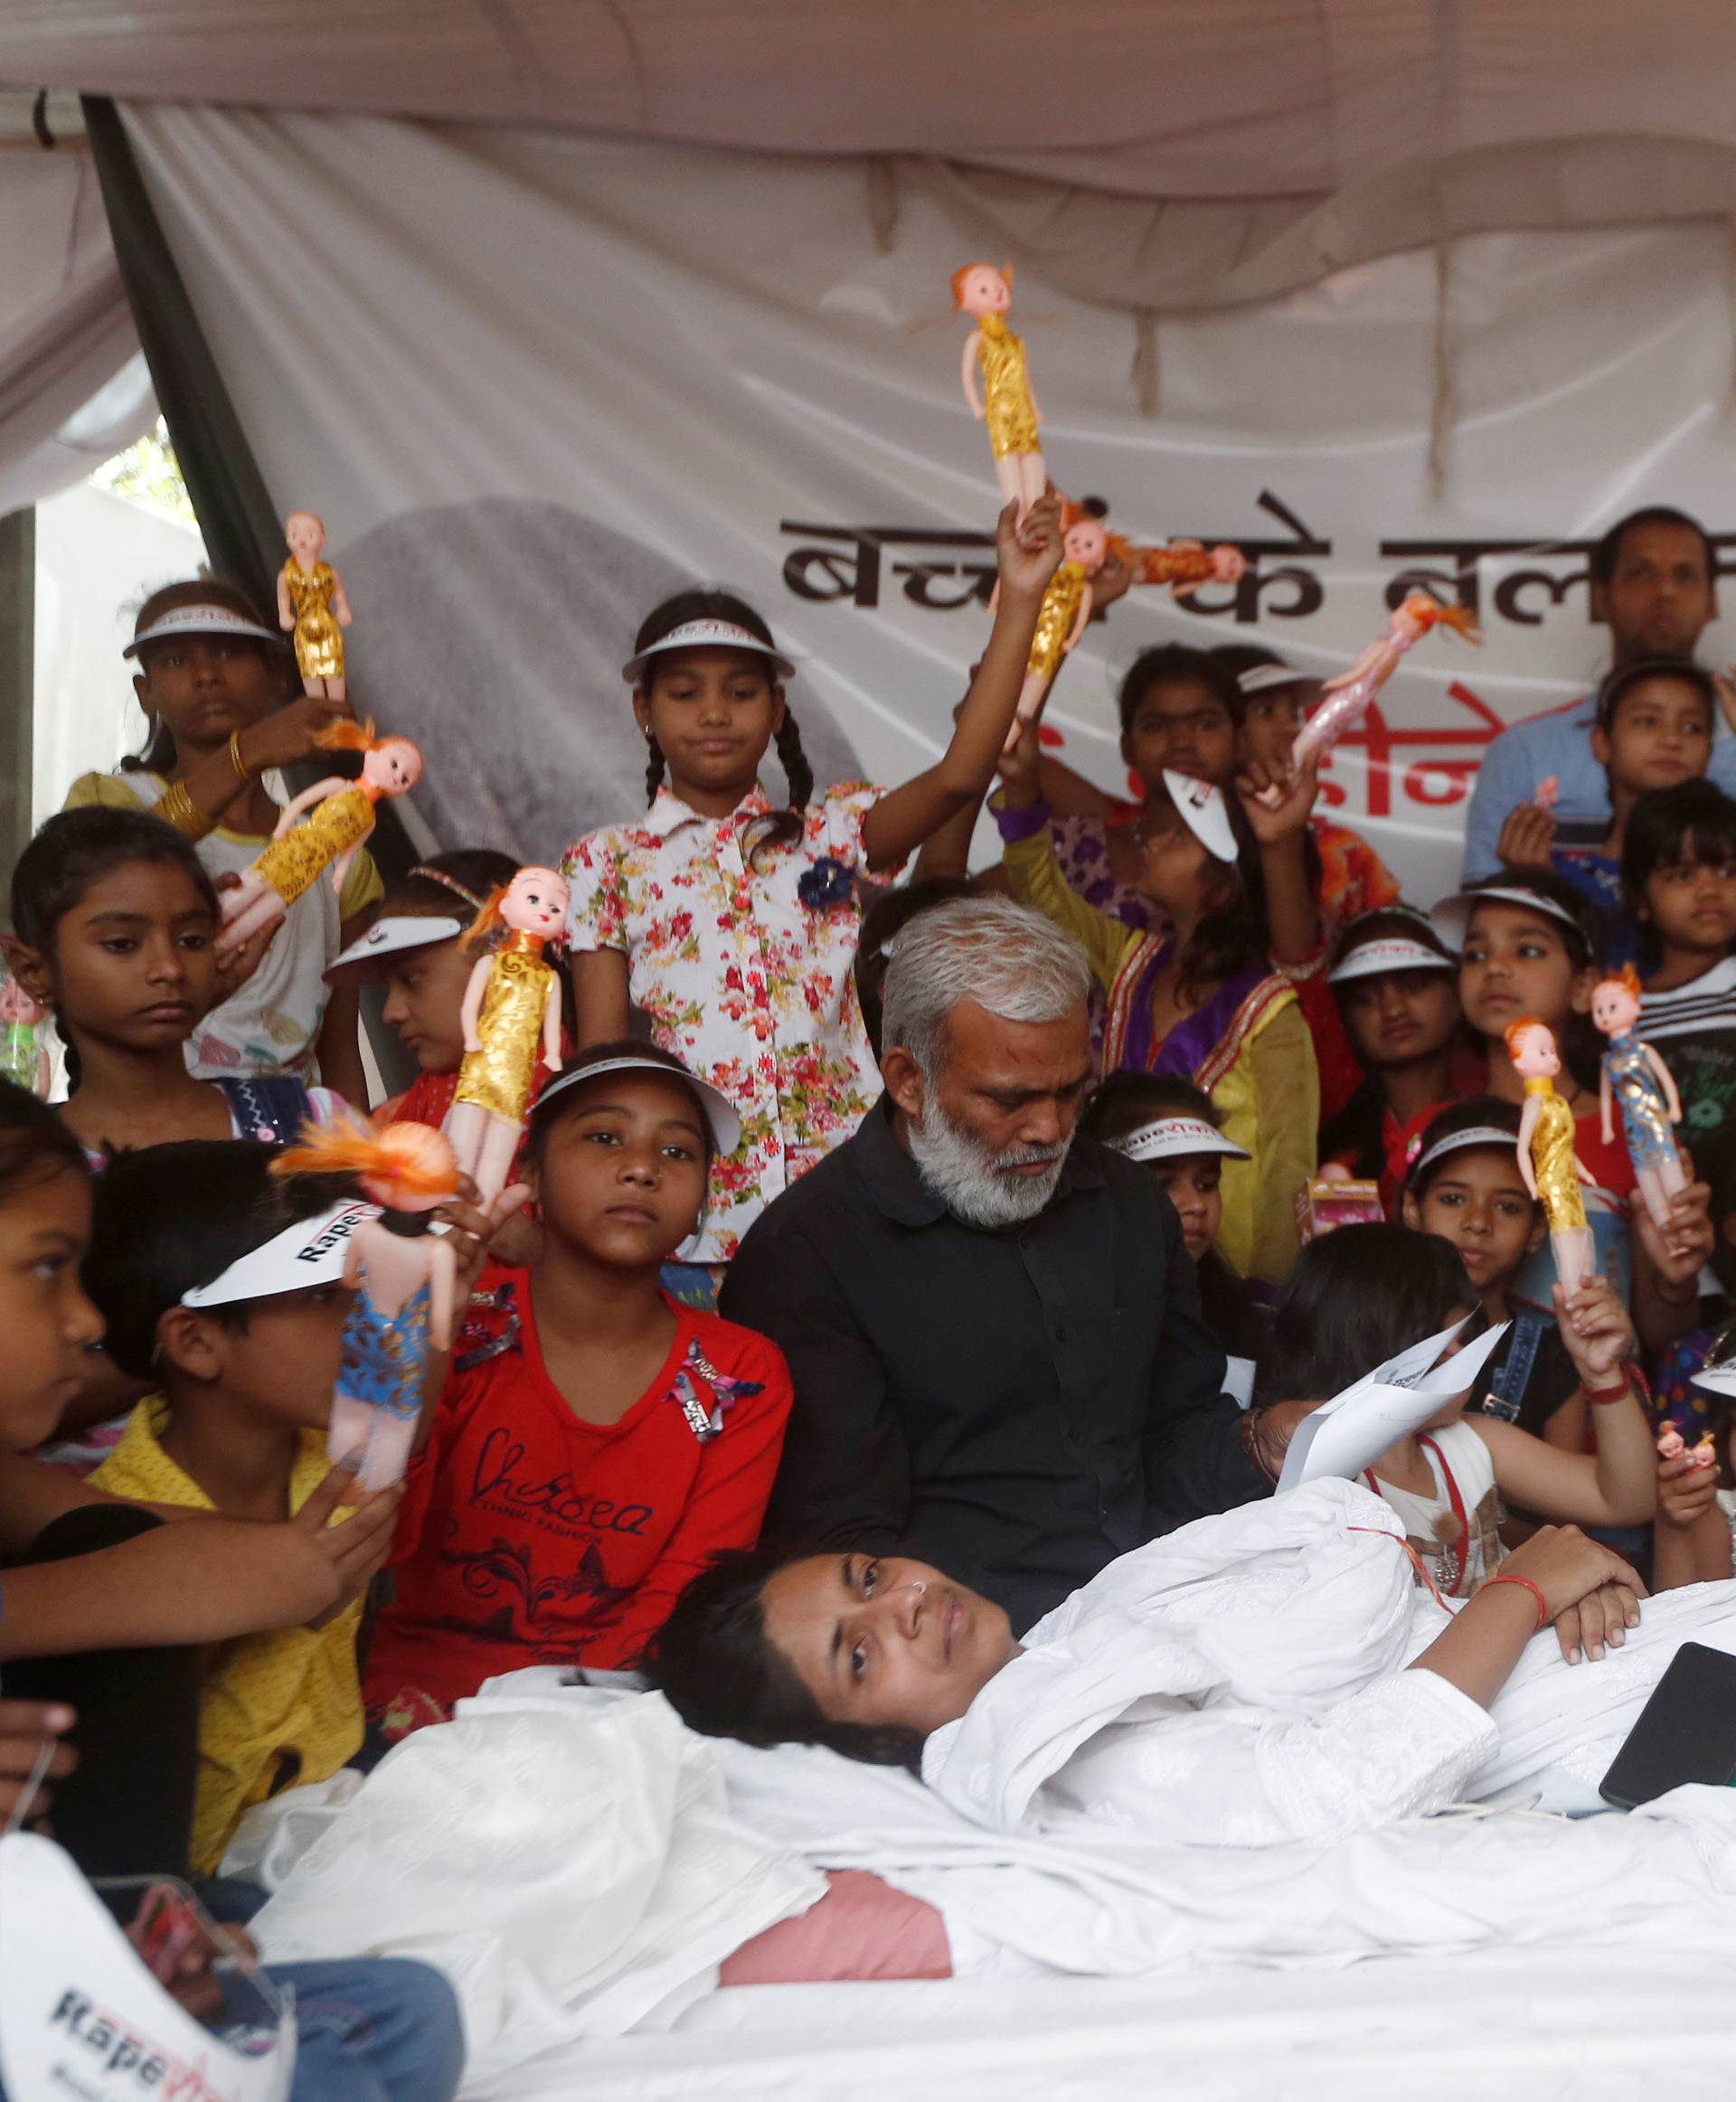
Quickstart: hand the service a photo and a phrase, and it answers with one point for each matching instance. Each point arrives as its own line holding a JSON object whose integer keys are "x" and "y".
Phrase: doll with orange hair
{"x": 1549, "y": 1165}
{"x": 312, "y": 606}
{"x": 1650, "y": 1104}
{"x": 404, "y": 1278}
{"x": 510, "y": 1010}
{"x": 1008, "y": 403}
{"x": 1066, "y": 609}
{"x": 341, "y": 823}
{"x": 1344, "y": 698}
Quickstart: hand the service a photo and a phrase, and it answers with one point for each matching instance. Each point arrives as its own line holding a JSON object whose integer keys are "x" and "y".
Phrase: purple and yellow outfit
{"x": 1248, "y": 1046}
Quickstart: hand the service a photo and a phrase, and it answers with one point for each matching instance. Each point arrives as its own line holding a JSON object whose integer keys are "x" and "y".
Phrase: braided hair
{"x": 707, "y": 605}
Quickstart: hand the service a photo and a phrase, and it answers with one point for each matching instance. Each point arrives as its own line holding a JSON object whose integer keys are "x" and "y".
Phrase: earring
{"x": 646, "y": 727}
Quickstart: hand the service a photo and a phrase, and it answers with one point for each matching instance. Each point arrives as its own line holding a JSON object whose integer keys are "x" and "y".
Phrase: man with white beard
{"x": 992, "y": 1328}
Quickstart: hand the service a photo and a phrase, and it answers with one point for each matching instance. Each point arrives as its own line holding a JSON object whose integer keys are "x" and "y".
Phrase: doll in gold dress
{"x": 1008, "y": 403}
{"x": 342, "y": 822}
{"x": 312, "y": 605}
{"x": 1066, "y": 606}
{"x": 510, "y": 1010}
{"x": 1550, "y": 1167}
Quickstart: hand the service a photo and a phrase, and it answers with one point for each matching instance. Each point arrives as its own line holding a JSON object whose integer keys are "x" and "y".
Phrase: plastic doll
{"x": 511, "y": 1011}
{"x": 1344, "y": 698}
{"x": 23, "y": 1056}
{"x": 1066, "y": 607}
{"x": 404, "y": 1278}
{"x": 1650, "y": 1104}
{"x": 1551, "y": 1169}
{"x": 1549, "y": 792}
{"x": 339, "y": 827}
{"x": 312, "y": 604}
{"x": 1185, "y": 564}
{"x": 1008, "y": 403}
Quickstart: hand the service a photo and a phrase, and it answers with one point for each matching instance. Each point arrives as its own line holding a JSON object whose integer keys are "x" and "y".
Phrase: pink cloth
{"x": 862, "y": 1929}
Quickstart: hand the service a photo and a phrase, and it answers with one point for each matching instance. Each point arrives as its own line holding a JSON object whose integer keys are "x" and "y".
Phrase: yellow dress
{"x": 499, "y": 1077}
{"x": 1006, "y": 393}
{"x": 1552, "y": 1160}
{"x": 319, "y": 640}
{"x": 1055, "y": 619}
{"x": 295, "y": 864}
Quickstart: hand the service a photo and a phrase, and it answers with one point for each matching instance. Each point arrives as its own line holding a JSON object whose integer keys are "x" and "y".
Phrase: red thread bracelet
{"x": 1601, "y": 1397}
{"x": 1542, "y": 1603}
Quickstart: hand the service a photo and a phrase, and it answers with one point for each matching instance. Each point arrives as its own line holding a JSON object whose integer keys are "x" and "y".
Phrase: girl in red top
{"x": 596, "y": 1442}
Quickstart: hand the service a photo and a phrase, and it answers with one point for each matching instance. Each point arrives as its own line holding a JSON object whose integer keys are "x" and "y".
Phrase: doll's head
{"x": 305, "y": 532}
{"x": 1087, "y": 542}
{"x": 1530, "y": 1045}
{"x": 403, "y": 1168}
{"x": 1615, "y": 1002}
{"x": 533, "y": 900}
{"x": 390, "y": 765}
{"x": 980, "y": 289}
{"x": 1415, "y": 616}
{"x": 16, "y": 1005}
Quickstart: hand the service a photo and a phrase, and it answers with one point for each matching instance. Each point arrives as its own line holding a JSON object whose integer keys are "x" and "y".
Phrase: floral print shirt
{"x": 744, "y": 970}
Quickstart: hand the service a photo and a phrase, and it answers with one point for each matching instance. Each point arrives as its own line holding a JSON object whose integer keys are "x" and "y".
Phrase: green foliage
{"x": 148, "y": 473}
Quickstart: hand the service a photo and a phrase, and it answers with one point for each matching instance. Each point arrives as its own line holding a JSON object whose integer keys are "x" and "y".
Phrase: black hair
{"x": 167, "y": 1218}
{"x": 1168, "y": 664}
{"x": 703, "y": 605}
{"x": 550, "y": 1108}
{"x": 1606, "y": 553}
{"x": 1126, "y": 1100}
{"x": 1694, "y": 822}
{"x": 71, "y": 850}
{"x": 1236, "y": 934}
{"x": 1238, "y": 657}
{"x": 480, "y": 869}
{"x": 1477, "y": 1112}
{"x": 1355, "y": 1298}
{"x": 35, "y": 1143}
{"x": 1614, "y": 688}
{"x": 890, "y": 912}
{"x": 715, "y": 1664}
{"x": 159, "y": 754}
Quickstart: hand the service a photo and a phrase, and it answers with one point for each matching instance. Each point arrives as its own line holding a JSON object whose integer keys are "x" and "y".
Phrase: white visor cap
{"x": 310, "y": 1252}
{"x": 708, "y": 635}
{"x": 725, "y": 1125}
{"x": 1201, "y": 809}
{"x": 198, "y": 620}
{"x": 389, "y": 937}
{"x": 1169, "y": 1137}
{"x": 1370, "y": 959}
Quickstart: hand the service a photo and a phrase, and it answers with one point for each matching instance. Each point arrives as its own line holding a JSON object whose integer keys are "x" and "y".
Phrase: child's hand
{"x": 26, "y": 1727}
{"x": 1527, "y": 838}
{"x": 1681, "y": 1250}
{"x": 1021, "y": 784}
{"x": 1685, "y": 1492}
{"x": 359, "y": 1549}
{"x": 474, "y": 1230}
{"x": 1596, "y": 1329}
{"x": 1566, "y": 1566}
{"x": 1027, "y": 554}
{"x": 286, "y": 738}
{"x": 236, "y": 966}
{"x": 1278, "y": 806}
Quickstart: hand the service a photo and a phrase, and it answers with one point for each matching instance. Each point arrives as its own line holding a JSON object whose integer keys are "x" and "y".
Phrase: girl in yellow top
{"x": 211, "y": 1285}
{"x": 1202, "y": 1000}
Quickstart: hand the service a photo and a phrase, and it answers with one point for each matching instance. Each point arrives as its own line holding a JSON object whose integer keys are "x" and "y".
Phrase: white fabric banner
{"x": 535, "y": 382}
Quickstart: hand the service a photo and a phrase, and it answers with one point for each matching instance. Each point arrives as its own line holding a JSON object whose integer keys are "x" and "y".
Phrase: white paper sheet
{"x": 1351, "y": 1430}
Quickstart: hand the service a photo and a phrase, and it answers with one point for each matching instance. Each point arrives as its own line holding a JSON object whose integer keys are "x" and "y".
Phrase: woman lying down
{"x": 1274, "y": 1674}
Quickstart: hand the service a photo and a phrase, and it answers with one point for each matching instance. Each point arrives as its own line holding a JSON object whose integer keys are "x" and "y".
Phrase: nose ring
{"x": 918, "y": 1587}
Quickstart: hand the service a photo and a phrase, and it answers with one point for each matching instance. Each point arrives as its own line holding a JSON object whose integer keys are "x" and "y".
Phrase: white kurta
{"x": 1242, "y": 1682}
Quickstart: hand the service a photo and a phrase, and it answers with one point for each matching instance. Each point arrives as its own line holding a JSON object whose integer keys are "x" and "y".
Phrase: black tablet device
{"x": 1685, "y": 1732}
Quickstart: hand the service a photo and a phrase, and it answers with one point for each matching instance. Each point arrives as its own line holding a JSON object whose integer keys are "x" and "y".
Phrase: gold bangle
{"x": 179, "y": 809}
{"x": 235, "y": 758}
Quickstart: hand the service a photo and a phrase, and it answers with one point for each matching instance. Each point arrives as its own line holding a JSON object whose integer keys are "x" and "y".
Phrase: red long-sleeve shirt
{"x": 528, "y": 1536}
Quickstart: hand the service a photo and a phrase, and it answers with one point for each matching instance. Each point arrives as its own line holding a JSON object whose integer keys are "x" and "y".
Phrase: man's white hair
{"x": 1002, "y": 955}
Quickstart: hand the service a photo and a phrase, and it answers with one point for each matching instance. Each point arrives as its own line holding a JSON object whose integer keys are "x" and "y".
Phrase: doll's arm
{"x": 294, "y": 808}
{"x": 286, "y": 612}
{"x": 340, "y": 600}
{"x": 1364, "y": 665}
{"x": 1667, "y": 1080}
{"x": 1527, "y": 1126}
{"x": 1584, "y": 1173}
{"x": 1086, "y": 601}
{"x": 967, "y": 373}
{"x": 341, "y": 866}
{"x": 552, "y": 1027}
{"x": 1605, "y": 1101}
{"x": 470, "y": 1006}
{"x": 352, "y": 1265}
{"x": 1031, "y": 395}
